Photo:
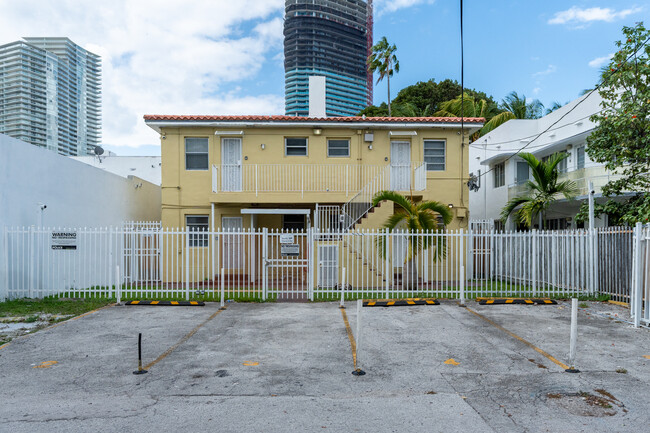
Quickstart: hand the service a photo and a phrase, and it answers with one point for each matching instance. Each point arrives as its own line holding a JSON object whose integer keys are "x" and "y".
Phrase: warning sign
{"x": 64, "y": 240}
{"x": 290, "y": 250}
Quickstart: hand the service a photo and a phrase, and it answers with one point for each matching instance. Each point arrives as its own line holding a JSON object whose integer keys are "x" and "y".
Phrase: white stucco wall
{"x": 76, "y": 194}
{"x": 568, "y": 134}
{"x": 144, "y": 167}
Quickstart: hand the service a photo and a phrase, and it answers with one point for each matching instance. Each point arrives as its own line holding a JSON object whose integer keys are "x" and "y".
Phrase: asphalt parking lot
{"x": 281, "y": 367}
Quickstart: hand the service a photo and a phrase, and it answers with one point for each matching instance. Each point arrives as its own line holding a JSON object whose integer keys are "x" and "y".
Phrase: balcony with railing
{"x": 581, "y": 177}
{"x": 325, "y": 183}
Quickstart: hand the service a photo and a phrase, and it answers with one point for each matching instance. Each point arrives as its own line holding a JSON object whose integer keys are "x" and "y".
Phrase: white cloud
{"x": 579, "y": 16}
{"x": 173, "y": 57}
{"x": 600, "y": 61}
{"x": 536, "y": 90}
{"x": 387, "y": 6}
{"x": 551, "y": 69}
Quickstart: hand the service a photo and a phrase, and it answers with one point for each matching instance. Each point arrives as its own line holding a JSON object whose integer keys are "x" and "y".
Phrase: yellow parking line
{"x": 181, "y": 341}
{"x": 531, "y": 345}
{"x": 353, "y": 344}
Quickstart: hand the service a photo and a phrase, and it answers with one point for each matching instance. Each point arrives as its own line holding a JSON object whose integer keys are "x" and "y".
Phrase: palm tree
{"x": 471, "y": 107}
{"x": 383, "y": 60}
{"x": 414, "y": 217}
{"x": 541, "y": 193}
{"x": 515, "y": 107}
{"x": 554, "y": 107}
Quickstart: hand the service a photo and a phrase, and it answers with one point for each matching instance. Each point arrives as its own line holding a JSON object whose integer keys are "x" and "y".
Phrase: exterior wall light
{"x": 451, "y": 205}
{"x": 317, "y": 131}
{"x": 262, "y": 146}
{"x": 370, "y": 147}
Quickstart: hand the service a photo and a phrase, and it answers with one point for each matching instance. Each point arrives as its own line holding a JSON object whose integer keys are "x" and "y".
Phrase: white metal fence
{"x": 147, "y": 261}
{"x": 640, "y": 293}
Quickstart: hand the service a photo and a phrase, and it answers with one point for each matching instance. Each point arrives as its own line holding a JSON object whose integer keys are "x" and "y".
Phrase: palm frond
{"x": 395, "y": 197}
{"x": 437, "y": 207}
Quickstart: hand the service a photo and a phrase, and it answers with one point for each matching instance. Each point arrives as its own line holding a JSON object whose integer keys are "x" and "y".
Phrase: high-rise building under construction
{"x": 330, "y": 39}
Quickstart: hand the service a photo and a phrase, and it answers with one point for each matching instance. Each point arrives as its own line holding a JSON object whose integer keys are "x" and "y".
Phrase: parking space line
{"x": 182, "y": 340}
{"x": 531, "y": 345}
{"x": 353, "y": 343}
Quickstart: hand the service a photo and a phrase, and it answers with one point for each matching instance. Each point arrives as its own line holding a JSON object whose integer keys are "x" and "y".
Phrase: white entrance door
{"x": 232, "y": 244}
{"x": 400, "y": 165}
{"x": 231, "y": 164}
{"x": 328, "y": 265}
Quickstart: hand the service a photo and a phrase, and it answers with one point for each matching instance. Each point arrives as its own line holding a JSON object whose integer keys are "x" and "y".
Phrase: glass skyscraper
{"x": 50, "y": 94}
{"x": 329, "y": 38}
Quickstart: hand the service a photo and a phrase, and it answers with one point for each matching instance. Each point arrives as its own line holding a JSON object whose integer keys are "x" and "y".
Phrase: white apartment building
{"x": 502, "y": 174}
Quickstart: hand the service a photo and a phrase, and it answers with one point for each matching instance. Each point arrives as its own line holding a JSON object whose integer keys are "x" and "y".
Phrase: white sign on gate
{"x": 286, "y": 238}
{"x": 64, "y": 240}
{"x": 292, "y": 250}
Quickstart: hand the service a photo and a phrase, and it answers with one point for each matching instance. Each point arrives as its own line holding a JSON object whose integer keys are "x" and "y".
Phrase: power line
{"x": 572, "y": 108}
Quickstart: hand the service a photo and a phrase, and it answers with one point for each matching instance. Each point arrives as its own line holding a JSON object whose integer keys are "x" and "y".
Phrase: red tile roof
{"x": 351, "y": 119}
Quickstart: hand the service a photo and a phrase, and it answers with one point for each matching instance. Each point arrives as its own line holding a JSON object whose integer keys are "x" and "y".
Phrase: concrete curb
{"x": 400, "y": 302}
{"x": 168, "y": 303}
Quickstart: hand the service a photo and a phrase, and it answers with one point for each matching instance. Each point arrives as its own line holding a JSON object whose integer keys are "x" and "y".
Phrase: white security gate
{"x": 231, "y": 173}
{"x": 328, "y": 266}
{"x": 400, "y": 165}
{"x": 286, "y": 259}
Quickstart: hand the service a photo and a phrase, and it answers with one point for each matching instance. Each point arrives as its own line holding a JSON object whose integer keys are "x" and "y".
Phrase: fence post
{"x": 386, "y": 261}
{"x": 311, "y": 261}
{"x": 358, "y": 346}
{"x": 31, "y": 261}
{"x": 265, "y": 253}
{"x": 118, "y": 284}
{"x": 470, "y": 247}
{"x": 573, "y": 337}
{"x": 110, "y": 261}
{"x": 534, "y": 262}
{"x": 636, "y": 298}
{"x": 4, "y": 294}
{"x": 187, "y": 263}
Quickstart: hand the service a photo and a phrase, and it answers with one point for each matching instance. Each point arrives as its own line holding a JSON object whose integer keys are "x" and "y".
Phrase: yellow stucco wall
{"x": 189, "y": 192}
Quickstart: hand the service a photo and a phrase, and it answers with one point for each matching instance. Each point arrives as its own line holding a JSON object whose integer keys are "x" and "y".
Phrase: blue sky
{"x": 226, "y": 57}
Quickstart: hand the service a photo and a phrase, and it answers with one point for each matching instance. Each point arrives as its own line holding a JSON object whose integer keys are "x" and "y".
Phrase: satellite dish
{"x": 98, "y": 150}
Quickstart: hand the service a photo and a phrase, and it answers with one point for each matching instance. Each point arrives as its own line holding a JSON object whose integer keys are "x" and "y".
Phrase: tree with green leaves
{"x": 621, "y": 140}
{"x": 384, "y": 61}
{"x": 469, "y": 106}
{"x": 425, "y": 97}
{"x": 412, "y": 217}
{"x": 540, "y": 193}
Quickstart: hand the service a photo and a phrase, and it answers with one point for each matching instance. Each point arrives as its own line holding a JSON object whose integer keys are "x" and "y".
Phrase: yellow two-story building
{"x": 275, "y": 171}
{"x": 253, "y": 175}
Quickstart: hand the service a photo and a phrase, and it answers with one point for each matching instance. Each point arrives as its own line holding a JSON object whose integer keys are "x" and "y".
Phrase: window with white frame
{"x": 434, "y": 155}
{"x": 295, "y": 146}
{"x": 197, "y": 226}
{"x": 499, "y": 174}
{"x": 196, "y": 153}
{"x": 580, "y": 157}
{"x": 338, "y": 148}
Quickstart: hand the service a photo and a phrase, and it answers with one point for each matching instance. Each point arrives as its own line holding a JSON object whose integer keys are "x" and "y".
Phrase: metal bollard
{"x": 223, "y": 281}
{"x": 140, "y": 370}
{"x": 343, "y": 290}
{"x": 358, "y": 371}
{"x": 462, "y": 287}
{"x": 574, "y": 337}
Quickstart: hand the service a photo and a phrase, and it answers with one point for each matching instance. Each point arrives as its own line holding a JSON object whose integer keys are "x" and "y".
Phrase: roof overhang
{"x": 498, "y": 158}
{"x": 471, "y": 124}
{"x": 275, "y": 211}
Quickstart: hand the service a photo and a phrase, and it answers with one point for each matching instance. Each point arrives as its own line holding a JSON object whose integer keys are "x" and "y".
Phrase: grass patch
{"x": 621, "y": 370}
{"x": 50, "y": 305}
{"x": 583, "y": 305}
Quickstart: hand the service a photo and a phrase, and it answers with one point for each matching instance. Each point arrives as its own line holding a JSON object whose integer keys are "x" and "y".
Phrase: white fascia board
{"x": 258, "y": 211}
{"x": 157, "y": 124}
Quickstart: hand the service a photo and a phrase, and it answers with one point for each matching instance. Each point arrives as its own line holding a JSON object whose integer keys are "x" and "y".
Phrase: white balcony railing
{"x": 347, "y": 179}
